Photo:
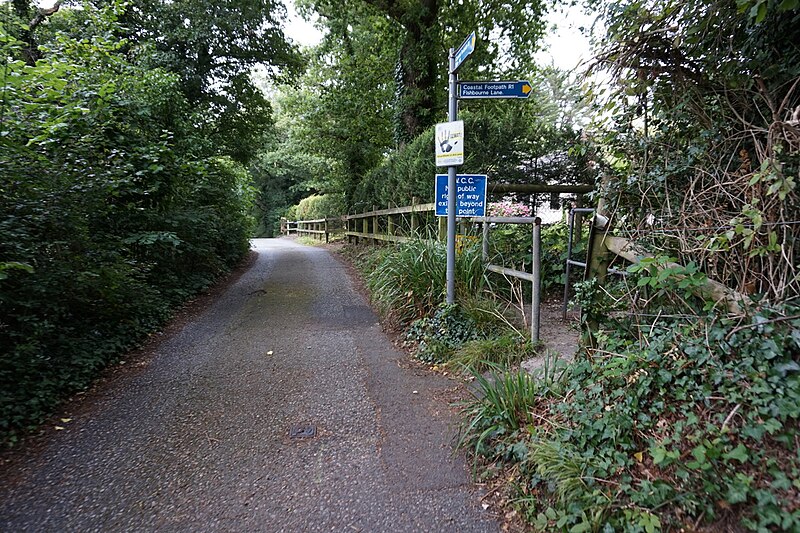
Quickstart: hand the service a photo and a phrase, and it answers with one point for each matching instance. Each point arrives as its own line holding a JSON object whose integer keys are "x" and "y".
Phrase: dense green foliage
{"x": 315, "y": 207}
{"x": 437, "y": 337}
{"x": 114, "y": 207}
{"x": 697, "y": 425}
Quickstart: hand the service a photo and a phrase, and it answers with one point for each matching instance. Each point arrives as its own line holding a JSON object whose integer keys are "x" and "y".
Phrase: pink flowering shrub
{"x": 508, "y": 208}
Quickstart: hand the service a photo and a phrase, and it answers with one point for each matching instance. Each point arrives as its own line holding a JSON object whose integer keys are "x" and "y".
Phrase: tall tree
{"x": 212, "y": 46}
{"x": 422, "y": 32}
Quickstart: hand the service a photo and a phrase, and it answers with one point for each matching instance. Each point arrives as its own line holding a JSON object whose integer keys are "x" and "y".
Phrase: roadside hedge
{"x": 110, "y": 217}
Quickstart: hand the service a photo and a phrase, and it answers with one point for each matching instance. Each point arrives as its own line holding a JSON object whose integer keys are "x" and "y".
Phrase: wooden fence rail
{"x": 399, "y": 224}
{"x": 321, "y": 228}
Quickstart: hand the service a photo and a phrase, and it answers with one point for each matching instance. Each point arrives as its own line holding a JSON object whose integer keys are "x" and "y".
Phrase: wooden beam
{"x": 712, "y": 290}
{"x": 499, "y": 188}
{"x": 418, "y": 208}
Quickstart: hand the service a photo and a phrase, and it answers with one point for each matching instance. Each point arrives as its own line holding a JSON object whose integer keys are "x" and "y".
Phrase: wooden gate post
{"x": 598, "y": 258}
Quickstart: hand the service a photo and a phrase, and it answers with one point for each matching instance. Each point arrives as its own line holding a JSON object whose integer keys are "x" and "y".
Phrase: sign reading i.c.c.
{"x": 470, "y": 195}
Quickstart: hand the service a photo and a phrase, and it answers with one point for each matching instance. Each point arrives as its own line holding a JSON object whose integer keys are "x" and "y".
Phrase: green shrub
{"x": 438, "y": 337}
{"x": 316, "y": 207}
{"x": 697, "y": 425}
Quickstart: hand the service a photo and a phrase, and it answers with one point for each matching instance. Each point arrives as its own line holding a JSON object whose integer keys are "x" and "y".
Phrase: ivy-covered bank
{"x": 695, "y": 428}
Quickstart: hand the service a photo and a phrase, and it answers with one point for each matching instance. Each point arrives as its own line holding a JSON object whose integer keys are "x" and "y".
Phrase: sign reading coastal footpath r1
{"x": 494, "y": 89}
{"x": 470, "y": 195}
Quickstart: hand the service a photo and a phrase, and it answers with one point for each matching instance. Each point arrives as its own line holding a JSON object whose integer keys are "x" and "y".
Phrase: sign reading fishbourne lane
{"x": 470, "y": 195}
{"x": 464, "y": 51}
{"x": 450, "y": 143}
{"x": 494, "y": 89}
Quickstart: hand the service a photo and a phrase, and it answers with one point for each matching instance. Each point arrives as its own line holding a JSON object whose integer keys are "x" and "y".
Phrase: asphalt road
{"x": 200, "y": 439}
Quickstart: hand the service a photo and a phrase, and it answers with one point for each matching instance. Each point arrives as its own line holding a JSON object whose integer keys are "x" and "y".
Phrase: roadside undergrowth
{"x": 407, "y": 285}
{"x": 694, "y": 429}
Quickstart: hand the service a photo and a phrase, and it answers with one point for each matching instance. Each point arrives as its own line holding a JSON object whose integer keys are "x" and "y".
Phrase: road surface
{"x": 200, "y": 440}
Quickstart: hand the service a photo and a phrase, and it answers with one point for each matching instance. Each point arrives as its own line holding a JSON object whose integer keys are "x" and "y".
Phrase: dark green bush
{"x": 436, "y": 338}
{"x": 109, "y": 216}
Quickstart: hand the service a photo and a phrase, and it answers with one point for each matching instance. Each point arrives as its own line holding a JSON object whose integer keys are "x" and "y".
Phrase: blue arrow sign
{"x": 494, "y": 89}
{"x": 464, "y": 51}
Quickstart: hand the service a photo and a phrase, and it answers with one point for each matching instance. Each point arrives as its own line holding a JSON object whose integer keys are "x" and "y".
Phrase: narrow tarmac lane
{"x": 199, "y": 440}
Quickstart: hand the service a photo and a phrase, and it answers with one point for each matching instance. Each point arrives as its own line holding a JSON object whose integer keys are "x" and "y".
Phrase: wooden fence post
{"x": 442, "y": 228}
{"x": 375, "y": 224}
{"x": 577, "y": 230}
{"x": 597, "y": 259}
{"x": 414, "y": 220}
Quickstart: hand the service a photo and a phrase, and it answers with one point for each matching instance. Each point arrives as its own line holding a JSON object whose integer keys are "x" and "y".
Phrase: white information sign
{"x": 450, "y": 144}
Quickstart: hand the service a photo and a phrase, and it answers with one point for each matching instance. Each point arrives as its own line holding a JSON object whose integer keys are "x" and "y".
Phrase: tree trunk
{"x": 415, "y": 104}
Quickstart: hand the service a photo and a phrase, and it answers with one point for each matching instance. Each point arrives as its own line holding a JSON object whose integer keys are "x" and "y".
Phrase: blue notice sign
{"x": 470, "y": 195}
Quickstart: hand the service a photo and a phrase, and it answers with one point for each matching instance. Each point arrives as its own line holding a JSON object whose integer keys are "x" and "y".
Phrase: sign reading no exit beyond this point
{"x": 470, "y": 195}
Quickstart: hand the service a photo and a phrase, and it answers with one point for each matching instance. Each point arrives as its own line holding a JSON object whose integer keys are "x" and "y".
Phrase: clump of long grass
{"x": 506, "y": 351}
{"x": 501, "y": 406}
{"x": 408, "y": 282}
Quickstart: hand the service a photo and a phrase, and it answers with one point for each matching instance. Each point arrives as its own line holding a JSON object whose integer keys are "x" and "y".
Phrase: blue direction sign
{"x": 470, "y": 195}
{"x": 494, "y": 89}
{"x": 464, "y": 51}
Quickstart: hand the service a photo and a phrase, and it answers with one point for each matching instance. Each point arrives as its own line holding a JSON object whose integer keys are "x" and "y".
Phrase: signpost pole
{"x": 452, "y": 113}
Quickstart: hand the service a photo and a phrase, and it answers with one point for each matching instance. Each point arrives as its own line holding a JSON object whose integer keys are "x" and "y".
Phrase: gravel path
{"x": 199, "y": 440}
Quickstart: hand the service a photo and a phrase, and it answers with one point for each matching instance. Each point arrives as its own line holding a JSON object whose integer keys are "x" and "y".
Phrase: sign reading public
{"x": 464, "y": 51}
{"x": 450, "y": 144}
{"x": 494, "y": 89}
{"x": 470, "y": 195}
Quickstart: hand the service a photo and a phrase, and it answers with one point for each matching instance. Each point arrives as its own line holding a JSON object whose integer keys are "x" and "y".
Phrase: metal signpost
{"x": 450, "y": 154}
{"x": 450, "y": 150}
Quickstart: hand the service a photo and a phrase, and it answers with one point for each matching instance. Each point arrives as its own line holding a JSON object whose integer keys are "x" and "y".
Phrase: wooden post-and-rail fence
{"x": 399, "y": 224}
{"x": 320, "y": 229}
